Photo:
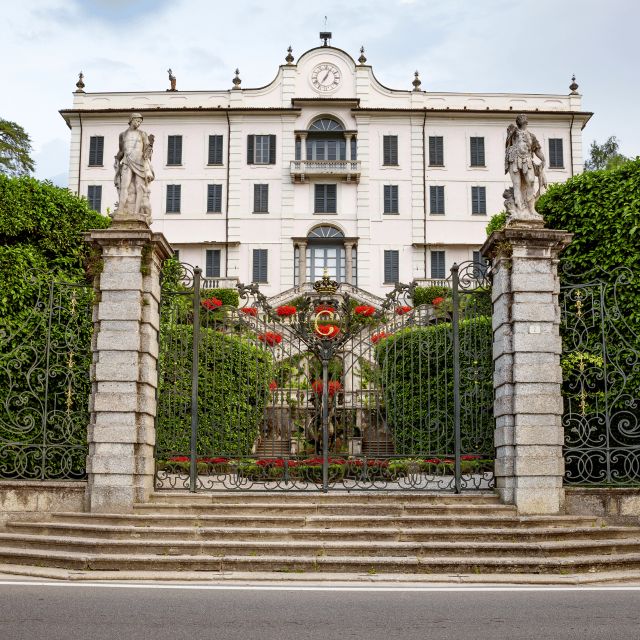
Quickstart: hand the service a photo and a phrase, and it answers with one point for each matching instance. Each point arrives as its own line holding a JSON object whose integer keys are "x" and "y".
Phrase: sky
{"x": 457, "y": 45}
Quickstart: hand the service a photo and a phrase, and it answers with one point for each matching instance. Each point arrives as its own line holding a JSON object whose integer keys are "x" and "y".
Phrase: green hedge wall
{"x": 233, "y": 378}
{"x": 417, "y": 386}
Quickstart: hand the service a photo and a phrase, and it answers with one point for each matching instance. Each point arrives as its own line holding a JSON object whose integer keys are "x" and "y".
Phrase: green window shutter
{"x": 478, "y": 200}
{"x": 261, "y": 198}
{"x": 260, "y": 265}
{"x": 212, "y": 263}
{"x": 391, "y": 266}
{"x": 436, "y": 151}
{"x": 96, "y": 151}
{"x": 174, "y": 150}
{"x": 250, "y": 149}
{"x": 438, "y": 264}
{"x": 272, "y": 149}
{"x": 215, "y": 150}
{"x": 214, "y": 198}
{"x": 94, "y": 196}
{"x": 556, "y": 154}
{"x": 390, "y": 150}
{"x": 173, "y": 198}
{"x": 390, "y": 198}
{"x": 436, "y": 199}
{"x": 477, "y": 151}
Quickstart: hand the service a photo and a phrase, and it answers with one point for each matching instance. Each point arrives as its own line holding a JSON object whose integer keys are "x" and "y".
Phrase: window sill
{"x": 214, "y": 164}
{"x": 260, "y": 213}
{"x": 325, "y": 213}
{"x": 95, "y": 166}
{"x": 390, "y": 213}
{"x": 390, "y": 166}
{"x": 214, "y": 213}
{"x": 171, "y": 166}
{"x": 172, "y": 213}
{"x": 482, "y": 167}
{"x": 478, "y": 214}
{"x": 556, "y": 169}
{"x": 436, "y": 213}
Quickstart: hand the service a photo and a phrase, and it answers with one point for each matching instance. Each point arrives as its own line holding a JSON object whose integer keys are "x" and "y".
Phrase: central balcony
{"x": 346, "y": 170}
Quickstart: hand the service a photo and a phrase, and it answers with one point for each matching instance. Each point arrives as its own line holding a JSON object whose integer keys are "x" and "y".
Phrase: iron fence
{"x": 45, "y": 358}
{"x": 325, "y": 392}
{"x": 601, "y": 377}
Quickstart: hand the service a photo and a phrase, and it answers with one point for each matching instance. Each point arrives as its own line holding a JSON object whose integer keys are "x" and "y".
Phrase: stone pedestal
{"x": 529, "y": 466}
{"x": 120, "y": 464}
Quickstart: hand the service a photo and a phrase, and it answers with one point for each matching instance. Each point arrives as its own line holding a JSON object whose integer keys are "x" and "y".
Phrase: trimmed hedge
{"x": 417, "y": 388}
{"x": 426, "y": 295}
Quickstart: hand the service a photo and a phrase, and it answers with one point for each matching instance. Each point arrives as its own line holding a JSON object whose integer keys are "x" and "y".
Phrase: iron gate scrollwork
{"x": 601, "y": 377}
{"x": 325, "y": 392}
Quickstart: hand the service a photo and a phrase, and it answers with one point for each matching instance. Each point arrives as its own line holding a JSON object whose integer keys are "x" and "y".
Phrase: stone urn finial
{"x": 574, "y": 85}
{"x": 80, "y": 83}
{"x": 416, "y": 81}
{"x": 289, "y": 58}
{"x": 237, "y": 80}
{"x": 362, "y": 59}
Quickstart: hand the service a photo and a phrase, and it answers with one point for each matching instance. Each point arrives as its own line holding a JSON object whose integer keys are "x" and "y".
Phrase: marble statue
{"x": 134, "y": 172}
{"x": 522, "y": 147}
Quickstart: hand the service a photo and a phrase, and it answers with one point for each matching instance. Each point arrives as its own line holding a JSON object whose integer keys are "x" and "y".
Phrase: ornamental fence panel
{"x": 45, "y": 361}
{"x": 325, "y": 392}
{"x": 600, "y": 328}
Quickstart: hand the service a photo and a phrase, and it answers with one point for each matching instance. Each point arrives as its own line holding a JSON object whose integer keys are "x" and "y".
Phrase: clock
{"x": 326, "y": 77}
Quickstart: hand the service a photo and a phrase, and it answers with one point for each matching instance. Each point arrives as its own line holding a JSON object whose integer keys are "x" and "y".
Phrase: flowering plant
{"x": 437, "y": 301}
{"x": 376, "y": 337}
{"x": 211, "y": 304}
{"x": 402, "y": 310}
{"x": 364, "y": 310}
{"x": 270, "y": 338}
{"x": 333, "y": 387}
{"x": 249, "y": 311}
{"x": 327, "y": 331}
{"x": 324, "y": 307}
{"x": 273, "y": 385}
{"x": 286, "y": 310}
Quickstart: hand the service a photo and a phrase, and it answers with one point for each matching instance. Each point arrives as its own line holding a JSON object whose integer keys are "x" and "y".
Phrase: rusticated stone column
{"x": 529, "y": 466}
{"x": 121, "y": 434}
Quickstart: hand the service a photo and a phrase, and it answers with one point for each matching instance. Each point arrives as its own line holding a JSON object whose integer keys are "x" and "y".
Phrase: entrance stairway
{"x": 372, "y": 533}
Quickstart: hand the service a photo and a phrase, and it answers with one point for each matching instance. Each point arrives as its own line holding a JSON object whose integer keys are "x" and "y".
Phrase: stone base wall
{"x": 30, "y": 499}
{"x": 620, "y": 505}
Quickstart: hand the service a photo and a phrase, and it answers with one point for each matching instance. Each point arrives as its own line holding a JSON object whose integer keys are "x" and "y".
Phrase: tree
{"x": 15, "y": 149}
{"x": 604, "y": 156}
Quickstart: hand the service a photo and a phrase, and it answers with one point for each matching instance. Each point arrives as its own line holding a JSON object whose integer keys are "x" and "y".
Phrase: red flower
{"x": 179, "y": 459}
{"x": 470, "y": 457}
{"x": 376, "y": 337}
{"x": 276, "y": 462}
{"x": 214, "y": 460}
{"x": 364, "y": 310}
{"x": 249, "y": 311}
{"x": 286, "y": 310}
{"x": 437, "y": 301}
{"x": 327, "y": 331}
{"x": 314, "y": 462}
{"x": 402, "y": 310}
{"x": 434, "y": 461}
{"x": 270, "y": 338}
{"x": 324, "y": 307}
{"x": 273, "y": 385}
{"x": 333, "y": 387}
{"x": 211, "y": 304}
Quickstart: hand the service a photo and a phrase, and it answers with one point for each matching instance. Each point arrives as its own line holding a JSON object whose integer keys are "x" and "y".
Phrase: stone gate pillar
{"x": 120, "y": 464}
{"x": 529, "y": 465}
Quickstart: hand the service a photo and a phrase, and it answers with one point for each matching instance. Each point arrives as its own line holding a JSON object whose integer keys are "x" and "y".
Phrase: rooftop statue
{"x": 522, "y": 147}
{"x": 134, "y": 173}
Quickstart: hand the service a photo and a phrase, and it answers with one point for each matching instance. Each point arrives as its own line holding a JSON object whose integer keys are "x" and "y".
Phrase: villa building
{"x": 324, "y": 167}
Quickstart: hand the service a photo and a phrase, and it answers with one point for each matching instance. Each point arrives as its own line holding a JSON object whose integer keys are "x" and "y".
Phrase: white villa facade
{"x": 323, "y": 167}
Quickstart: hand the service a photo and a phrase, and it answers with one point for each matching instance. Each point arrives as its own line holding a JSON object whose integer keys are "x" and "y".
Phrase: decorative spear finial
{"x": 237, "y": 80}
{"x": 416, "y": 82}
{"x": 172, "y": 81}
{"x": 574, "y": 85}
{"x": 289, "y": 58}
{"x": 362, "y": 59}
{"x": 80, "y": 83}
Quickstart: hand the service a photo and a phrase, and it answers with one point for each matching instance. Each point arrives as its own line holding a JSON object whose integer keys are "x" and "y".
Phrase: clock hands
{"x": 326, "y": 75}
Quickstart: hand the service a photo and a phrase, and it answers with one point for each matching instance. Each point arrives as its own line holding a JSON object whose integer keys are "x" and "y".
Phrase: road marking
{"x": 328, "y": 588}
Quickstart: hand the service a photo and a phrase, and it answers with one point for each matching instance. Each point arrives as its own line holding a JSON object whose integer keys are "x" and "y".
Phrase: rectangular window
{"x": 354, "y": 148}
{"x": 436, "y": 200}
{"x": 96, "y": 150}
{"x": 480, "y": 265}
{"x": 391, "y": 266}
{"x": 391, "y": 198}
{"x": 556, "y": 156}
{"x": 390, "y": 150}
{"x": 94, "y": 196}
{"x": 173, "y": 198}
{"x": 325, "y": 198}
{"x": 215, "y": 150}
{"x": 260, "y": 198}
{"x": 260, "y": 265}
{"x": 212, "y": 268}
{"x": 437, "y": 265}
{"x": 436, "y": 151}
{"x": 478, "y": 201}
{"x": 174, "y": 150}
{"x": 214, "y": 198}
{"x": 261, "y": 149}
{"x": 477, "y": 152}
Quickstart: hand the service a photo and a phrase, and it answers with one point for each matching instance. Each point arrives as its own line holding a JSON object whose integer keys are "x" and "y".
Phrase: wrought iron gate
{"x": 325, "y": 392}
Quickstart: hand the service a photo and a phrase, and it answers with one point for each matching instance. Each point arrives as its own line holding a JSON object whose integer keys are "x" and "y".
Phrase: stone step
{"x": 327, "y": 521}
{"x": 304, "y": 508}
{"x": 416, "y": 534}
{"x": 296, "y": 548}
{"x": 342, "y": 497}
{"x": 463, "y": 564}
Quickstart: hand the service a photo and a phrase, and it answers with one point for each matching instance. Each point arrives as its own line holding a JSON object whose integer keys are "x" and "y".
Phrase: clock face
{"x": 326, "y": 77}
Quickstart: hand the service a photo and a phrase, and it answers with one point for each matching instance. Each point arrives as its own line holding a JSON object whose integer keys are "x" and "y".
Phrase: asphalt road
{"x": 83, "y": 611}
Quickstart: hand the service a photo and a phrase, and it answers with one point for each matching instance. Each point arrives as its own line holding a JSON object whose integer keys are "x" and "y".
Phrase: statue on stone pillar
{"x": 134, "y": 172}
{"x": 519, "y": 163}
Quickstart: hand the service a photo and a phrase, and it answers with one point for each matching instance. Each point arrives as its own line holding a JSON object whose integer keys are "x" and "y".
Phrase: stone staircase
{"x": 374, "y": 533}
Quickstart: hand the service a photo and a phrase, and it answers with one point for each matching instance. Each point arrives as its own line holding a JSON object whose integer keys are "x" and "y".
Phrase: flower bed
{"x": 400, "y": 311}
{"x": 211, "y": 304}
{"x": 270, "y": 338}
{"x": 249, "y": 311}
{"x": 286, "y": 310}
{"x": 364, "y": 310}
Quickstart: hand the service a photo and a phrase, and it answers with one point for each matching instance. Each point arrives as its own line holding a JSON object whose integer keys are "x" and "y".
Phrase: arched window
{"x": 325, "y": 231}
{"x": 326, "y": 124}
